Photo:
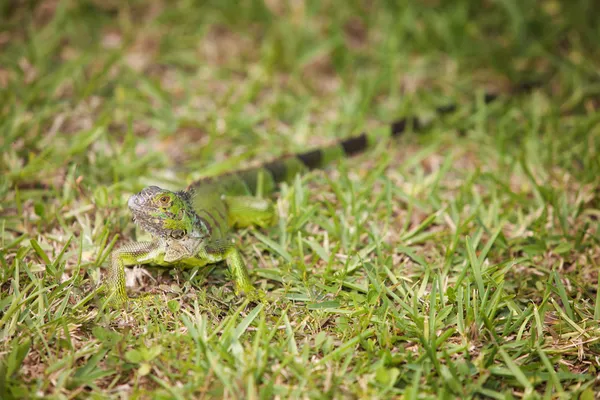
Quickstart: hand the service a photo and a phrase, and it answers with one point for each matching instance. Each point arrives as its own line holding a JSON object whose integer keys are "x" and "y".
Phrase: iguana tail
{"x": 267, "y": 176}
{"x": 285, "y": 169}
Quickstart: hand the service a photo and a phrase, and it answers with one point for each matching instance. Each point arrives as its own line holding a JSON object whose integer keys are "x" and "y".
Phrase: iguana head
{"x": 162, "y": 213}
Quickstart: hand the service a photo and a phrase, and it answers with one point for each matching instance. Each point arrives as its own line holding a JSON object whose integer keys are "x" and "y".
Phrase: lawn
{"x": 457, "y": 261}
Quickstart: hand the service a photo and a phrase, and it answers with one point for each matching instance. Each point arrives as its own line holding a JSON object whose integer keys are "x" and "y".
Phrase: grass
{"x": 461, "y": 262}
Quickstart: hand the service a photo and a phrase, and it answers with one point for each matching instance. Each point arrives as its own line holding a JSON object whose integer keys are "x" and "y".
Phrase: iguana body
{"x": 192, "y": 227}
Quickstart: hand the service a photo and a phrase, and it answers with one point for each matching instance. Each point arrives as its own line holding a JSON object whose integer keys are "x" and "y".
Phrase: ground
{"x": 457, "y": 262}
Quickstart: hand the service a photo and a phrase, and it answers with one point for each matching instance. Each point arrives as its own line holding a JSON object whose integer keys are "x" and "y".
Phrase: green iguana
{"x": 192, "y": 227}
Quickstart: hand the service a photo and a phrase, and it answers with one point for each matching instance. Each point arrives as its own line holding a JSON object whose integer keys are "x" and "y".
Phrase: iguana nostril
{"x": 133, "y": 201}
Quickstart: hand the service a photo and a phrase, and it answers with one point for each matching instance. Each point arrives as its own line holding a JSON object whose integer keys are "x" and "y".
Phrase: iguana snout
{"x": 141, "y": 199}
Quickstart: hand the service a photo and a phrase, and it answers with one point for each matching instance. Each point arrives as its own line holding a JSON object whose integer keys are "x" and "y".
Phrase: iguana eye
{"x": 177, "y": 234}
{"x": 165, "y": 200}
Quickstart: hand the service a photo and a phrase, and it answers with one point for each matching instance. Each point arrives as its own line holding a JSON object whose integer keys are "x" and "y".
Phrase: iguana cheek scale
{"x": 192, "y": 227}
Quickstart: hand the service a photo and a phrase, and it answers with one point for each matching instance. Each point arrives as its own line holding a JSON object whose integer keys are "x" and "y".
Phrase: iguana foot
{"x": 251, "y": 293}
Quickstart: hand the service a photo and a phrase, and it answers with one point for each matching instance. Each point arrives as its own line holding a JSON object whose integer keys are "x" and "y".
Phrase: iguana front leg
{"x": 225, "y": 250}
{"x": 129, "y": 254}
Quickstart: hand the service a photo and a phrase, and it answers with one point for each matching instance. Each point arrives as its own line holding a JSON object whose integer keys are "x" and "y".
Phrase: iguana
{"x": 192, "y": 227}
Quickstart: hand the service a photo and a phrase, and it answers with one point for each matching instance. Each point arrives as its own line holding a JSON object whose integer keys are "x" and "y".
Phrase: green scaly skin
{"x": 192, "y": 227}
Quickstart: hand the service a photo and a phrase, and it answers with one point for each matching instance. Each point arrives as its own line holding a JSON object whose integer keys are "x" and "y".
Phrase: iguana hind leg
{"x": 244, "y": 211}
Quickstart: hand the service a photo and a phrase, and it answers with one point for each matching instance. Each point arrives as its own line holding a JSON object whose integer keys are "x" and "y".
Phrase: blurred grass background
{"x": 462, "y": 262}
